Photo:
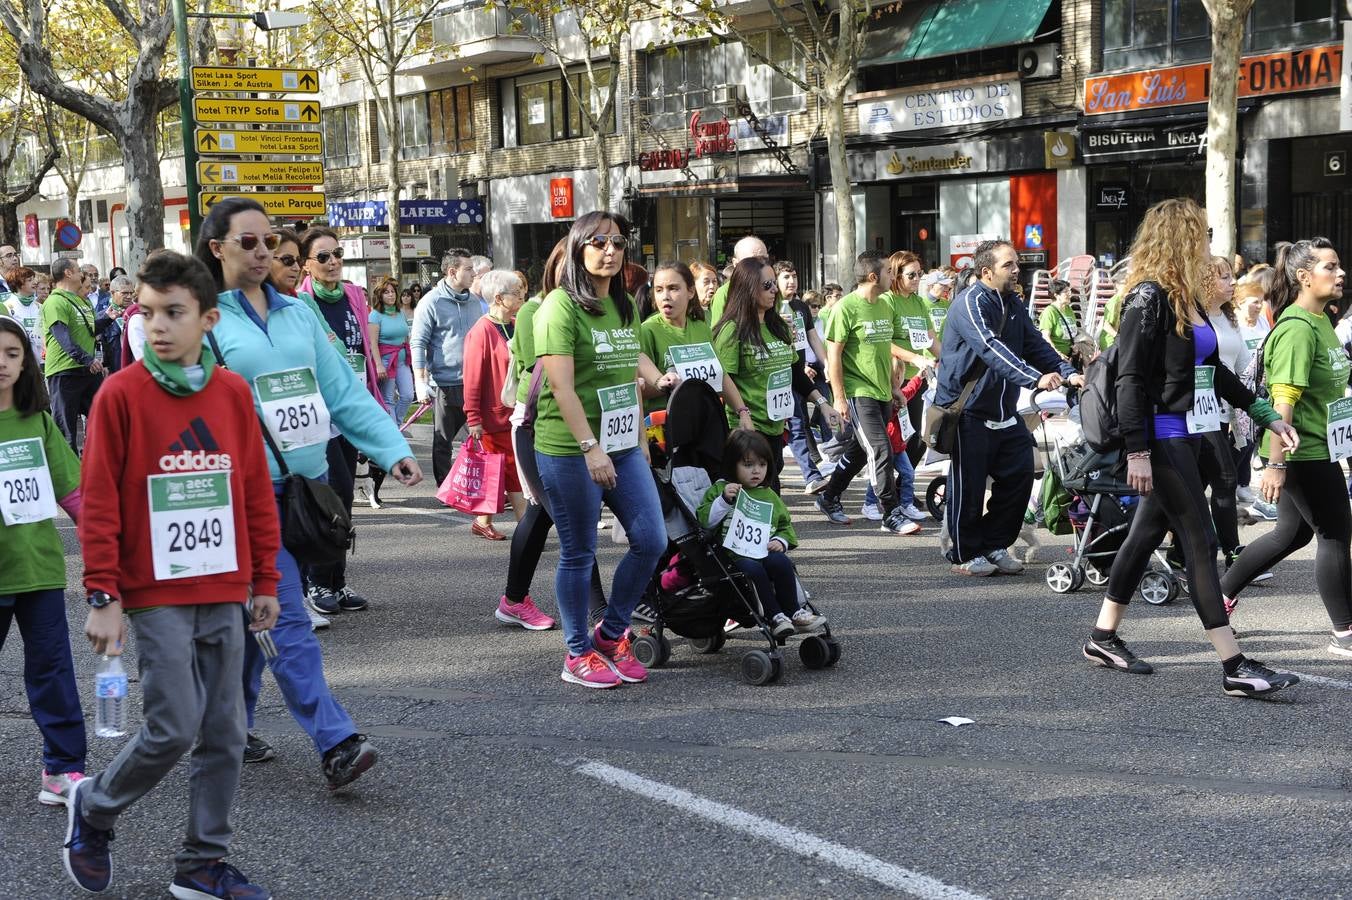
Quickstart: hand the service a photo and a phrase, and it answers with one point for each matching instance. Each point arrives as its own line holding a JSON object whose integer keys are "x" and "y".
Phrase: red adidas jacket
{"x": 138, "y": 429}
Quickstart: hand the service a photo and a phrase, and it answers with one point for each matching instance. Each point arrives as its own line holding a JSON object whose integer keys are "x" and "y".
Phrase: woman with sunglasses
{"x": 300, "y": 385}
{"x": 589, "y": 446}
{"x": 755, "y": 346}
{"x": 342, "y": 307}
{"x": 913, "y": 337}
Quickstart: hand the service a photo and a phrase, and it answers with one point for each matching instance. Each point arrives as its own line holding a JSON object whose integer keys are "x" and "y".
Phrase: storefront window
{"x": 1289, "y": 23}
{"x": 342, "y": 137}
{"x": 683, "y": 229}
{"x": 546, "y": 111}
{"x": 1139, "y": 33}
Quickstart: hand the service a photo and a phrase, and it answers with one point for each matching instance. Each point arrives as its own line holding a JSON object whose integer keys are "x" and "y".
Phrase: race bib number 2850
{"x": 26, "y": 493}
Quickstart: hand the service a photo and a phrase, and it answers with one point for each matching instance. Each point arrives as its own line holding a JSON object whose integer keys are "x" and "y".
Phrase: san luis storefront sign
{"x": 1259, "y": 76}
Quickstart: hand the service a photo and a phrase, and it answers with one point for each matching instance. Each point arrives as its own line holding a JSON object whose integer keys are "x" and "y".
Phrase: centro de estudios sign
{"x": 941, "y": 106}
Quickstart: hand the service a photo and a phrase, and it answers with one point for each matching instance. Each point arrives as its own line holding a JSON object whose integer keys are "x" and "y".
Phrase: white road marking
{"x": 1326, "y": 682}
{"x": 413, "y": 510}
{"x": 791, "y": 839}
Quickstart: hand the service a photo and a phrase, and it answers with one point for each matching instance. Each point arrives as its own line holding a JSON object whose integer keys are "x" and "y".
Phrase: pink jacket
{"x": 356, "y": 300}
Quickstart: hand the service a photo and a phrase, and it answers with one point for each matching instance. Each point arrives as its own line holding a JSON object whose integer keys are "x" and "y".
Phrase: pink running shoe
{"x": 526, "y": 614}
{"x": 57, "y": 789}
{"x": 1231, "y": 603}
{"x": 620, "y": 657}
{"x": 589, "y": 670}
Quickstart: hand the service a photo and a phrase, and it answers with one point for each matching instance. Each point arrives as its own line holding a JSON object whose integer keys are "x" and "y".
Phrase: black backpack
{"x": 1098, "y": 403}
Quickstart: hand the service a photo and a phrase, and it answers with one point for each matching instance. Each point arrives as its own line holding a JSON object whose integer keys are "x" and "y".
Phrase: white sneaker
{"x": 781, "y": 626}
{"x": 317, "y": 621}
{"x": 1261, "y": 509}
{"x": 806, "y": 620}
{"x": 1006, "y": 563}
{"x": 871, "y": 511}
{"x": 1245, "y": 494}
{"x": 976, "y": 566}
{"x": 914, "y": 513}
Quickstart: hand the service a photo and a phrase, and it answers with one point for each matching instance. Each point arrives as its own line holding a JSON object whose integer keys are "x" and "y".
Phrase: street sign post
{"x": 266, "y": 112}
{"x": 287, "y": 81}
{"x": 217, "y": 141}
{"x": 213, "y": 171}
{"x": 304, "y": 204}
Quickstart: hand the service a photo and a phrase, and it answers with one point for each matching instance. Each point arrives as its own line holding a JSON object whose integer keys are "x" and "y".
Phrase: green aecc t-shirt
{"x": 866, "y": 331}
{"x": 31, "y": 555}
{"x": 751, "y": 369}
{"x": 657, "y": 336}
{"x": 1308, "y": 355}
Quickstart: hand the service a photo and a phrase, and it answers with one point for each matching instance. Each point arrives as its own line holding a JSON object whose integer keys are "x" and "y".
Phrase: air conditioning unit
{"x": 728, "y": 93}
{"x": 1039, "y": 61}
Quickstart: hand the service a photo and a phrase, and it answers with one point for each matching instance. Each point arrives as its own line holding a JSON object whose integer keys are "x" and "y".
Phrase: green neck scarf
{"x": 171, "y": 376}
{"x": 325, "y": 295}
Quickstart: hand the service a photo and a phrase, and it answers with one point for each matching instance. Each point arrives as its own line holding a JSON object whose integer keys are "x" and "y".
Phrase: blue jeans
{"x": 403, "y": 380}
{"x": 48, "y": 675}
{"x": 298, "y": 666}
{"x": 905, "y": 482}
{"x": 575, "y": 502}
{"x": 798, "y": 440}
{"x": 776, "y": 582}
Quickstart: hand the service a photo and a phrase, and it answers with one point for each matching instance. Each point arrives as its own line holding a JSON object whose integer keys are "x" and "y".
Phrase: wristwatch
{"x": 588, "y": 444}
{"x": 100, "y": 599}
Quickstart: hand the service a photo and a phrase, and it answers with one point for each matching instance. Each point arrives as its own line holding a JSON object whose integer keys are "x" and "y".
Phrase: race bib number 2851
{"x": 293, "y": 408}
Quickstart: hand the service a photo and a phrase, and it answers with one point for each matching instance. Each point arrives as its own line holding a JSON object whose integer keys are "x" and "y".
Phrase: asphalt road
{"x": 496, "y": 779}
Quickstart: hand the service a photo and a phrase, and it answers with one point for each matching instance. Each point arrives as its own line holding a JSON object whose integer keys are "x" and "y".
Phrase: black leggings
{"x": 1313, "y": 504}
{"x": 528, "y": 543}
{"x": 915, "y": 447}
{"x": 1178, "y": 501}
{"x": 1217, "y": 465}
{"x": 342, "y": 458}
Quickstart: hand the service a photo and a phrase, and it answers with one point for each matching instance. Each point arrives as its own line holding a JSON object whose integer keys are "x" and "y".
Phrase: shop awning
{"x": 948, "y": 27}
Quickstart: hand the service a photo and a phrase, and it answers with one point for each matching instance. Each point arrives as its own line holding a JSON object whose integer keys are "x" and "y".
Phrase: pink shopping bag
{"x": 474, "y": 484}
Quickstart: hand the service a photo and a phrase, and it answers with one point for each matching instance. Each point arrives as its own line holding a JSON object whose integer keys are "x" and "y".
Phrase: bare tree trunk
{"x": 145, "y": 191}
{"x": 1227, "y": 37}
{"x": 393, "y": 187}
{"x": 840, "y": 186}
{"x": 9, "y": 224}
{"x": 602, "y": 169}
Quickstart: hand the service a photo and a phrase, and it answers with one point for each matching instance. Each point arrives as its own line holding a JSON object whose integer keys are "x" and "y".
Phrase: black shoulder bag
{"x": 316, "y": 524}
{"x": 941, "y": 422}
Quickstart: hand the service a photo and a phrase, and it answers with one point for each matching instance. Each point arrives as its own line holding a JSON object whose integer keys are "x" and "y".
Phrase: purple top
{"x": 1175, "y": 425}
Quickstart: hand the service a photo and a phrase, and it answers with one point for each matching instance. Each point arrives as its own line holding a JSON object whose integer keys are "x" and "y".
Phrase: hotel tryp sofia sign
{"x": 1259, "y": 76}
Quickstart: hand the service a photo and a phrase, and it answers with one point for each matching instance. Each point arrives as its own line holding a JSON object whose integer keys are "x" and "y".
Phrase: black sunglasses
{"x": 599, "y": 241}
{"x": 288, "y": 260}
{"x": 767, "y": 285}
{"x": 323, "y": 256}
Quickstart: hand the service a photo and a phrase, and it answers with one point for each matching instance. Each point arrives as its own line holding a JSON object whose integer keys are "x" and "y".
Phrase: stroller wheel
{"x": 934, "y": 497}
{"x": 1095, "y": 576}
{"x": 708, "y": 644}
{"x": 833, "y": 646}
{"x": 1063, "y": 578}
{"x": 814, "y": 652}
{"x": 1158, "y": 588}
{"x": 758, "y": 668}
{"x": 648, "y": 651}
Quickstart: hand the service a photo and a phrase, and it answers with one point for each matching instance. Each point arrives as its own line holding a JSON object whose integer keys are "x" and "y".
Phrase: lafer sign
{"x": 1259, "y": 76}
{"x": 711, "y": 138}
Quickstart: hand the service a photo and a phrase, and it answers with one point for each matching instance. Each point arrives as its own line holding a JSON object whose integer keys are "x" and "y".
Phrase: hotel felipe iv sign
{"x": 1259, "y": 76}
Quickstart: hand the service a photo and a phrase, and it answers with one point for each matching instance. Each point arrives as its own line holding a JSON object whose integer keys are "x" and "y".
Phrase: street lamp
{"x": 267, "y": 21}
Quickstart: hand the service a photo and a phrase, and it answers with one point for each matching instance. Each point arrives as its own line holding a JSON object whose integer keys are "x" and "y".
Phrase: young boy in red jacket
{"x": 182, "y": 535}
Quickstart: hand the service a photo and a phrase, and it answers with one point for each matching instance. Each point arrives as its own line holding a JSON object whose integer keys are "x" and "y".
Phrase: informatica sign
{"x": 941, "y": 106}
{"x": 375, "y": 213}
{"x": 1259, "y": 76}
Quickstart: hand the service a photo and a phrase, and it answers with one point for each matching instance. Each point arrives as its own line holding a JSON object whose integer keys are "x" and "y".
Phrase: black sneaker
{"x": 85, "y": 854}
{"x": 644, "y": 612}
{"x": 345, "y": 763}
{"x": 1113, "y": 654}
{"x": 322, "y": 600}
{"x": 216, "y": 879}
{"x": 257, "y": 750}
{"x": 348, "y": 601}
{"x": 1253, "y": 679}
{"x": 832, "y": 508}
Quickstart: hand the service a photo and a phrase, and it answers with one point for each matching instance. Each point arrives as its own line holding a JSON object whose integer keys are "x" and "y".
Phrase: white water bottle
{"x": 110, "y": 692}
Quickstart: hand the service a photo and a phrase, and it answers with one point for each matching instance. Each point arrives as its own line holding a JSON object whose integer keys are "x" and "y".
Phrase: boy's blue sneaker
{"x": 85, "y": 853}
{"x": 216, "y": 881}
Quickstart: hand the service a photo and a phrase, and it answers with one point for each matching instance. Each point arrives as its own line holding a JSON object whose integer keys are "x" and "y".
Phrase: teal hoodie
{"x": 294, "y": 338}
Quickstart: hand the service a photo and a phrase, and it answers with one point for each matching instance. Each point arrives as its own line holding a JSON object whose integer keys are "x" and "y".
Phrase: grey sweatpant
{"x": 190, "y": 661}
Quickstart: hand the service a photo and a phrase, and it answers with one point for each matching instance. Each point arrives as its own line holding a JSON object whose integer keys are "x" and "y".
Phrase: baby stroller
{"x": 698, "y": 592}
{"x": 1100, "y": 514}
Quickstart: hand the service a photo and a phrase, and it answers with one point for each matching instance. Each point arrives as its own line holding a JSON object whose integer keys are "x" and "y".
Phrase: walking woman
{"x": 389, "y": 323}
{"x": 1217, "y": 459}
{"x": 755, "y": 346}
{"x": 1169, "y": 377}
{"x": 270, "y": 339}
{"x": 516, "y": 606}
{"x": 913, "y": 336}
{"x": 589, "y": 447}
{"x": 1306, "y": 369}
{"x": 488, "y": 357}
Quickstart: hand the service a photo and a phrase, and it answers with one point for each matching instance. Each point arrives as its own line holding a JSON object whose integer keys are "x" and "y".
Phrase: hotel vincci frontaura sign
{"x": 1259, "y": 76}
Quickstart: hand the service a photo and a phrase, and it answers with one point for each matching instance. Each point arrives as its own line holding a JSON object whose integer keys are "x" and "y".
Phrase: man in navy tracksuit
{"x": 992, "y": 440}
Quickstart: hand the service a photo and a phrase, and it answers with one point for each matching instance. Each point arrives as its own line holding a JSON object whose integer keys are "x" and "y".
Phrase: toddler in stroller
{"x": 702, "y": 587}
